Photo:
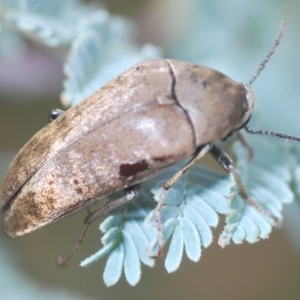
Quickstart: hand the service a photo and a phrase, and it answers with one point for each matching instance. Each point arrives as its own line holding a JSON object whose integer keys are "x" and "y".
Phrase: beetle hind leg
{"x": 131, "y": 194}
{"x": 201, "y": 151}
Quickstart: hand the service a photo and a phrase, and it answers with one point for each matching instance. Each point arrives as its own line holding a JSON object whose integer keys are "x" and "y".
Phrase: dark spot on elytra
{"x": 194, "y": 77}
{"x": 29, "y": 211}
{"x": 162, "y": 158}
{"x": 132, "y": 169}
{"x": 205, "y": 84}
{"x": 31, "y": 194}
{"x": 79, "y": 190}
{"x": 31, "y": 208}
{"x": 51, "y": 200}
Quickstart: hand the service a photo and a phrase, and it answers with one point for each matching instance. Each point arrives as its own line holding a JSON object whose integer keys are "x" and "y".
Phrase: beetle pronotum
{"x": 137, "y": 125}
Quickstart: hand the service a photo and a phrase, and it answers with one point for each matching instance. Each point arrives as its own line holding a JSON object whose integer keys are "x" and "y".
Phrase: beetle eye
{"x": 249, "y": 101}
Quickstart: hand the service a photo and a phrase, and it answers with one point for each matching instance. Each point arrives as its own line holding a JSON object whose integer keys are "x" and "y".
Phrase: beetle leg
{"x": 226, "y": 162}
{"x": 55, "y": 113}
{"x": 201, "y": 151}
{"x": 131, "y": 194}
{"x": 246, "y": 145}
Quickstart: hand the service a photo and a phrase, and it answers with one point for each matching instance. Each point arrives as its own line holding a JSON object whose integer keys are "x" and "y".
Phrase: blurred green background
{"x": 231, "y": 36}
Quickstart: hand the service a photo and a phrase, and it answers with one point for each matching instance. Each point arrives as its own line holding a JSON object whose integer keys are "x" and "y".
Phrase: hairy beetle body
{"x": 148, "y": 118}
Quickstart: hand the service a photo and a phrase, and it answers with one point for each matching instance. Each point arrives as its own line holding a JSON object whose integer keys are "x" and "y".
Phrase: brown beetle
{"x": 118, "y": 137}
{"x": 140, "y": 123}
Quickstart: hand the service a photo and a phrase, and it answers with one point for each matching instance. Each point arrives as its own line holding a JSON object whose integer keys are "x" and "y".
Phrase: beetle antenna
{"x": 271, "y": 52}
{"x": 282, "y": 136}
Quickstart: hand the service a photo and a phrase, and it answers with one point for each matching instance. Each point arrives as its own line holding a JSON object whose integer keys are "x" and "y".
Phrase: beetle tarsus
{"x": 226, "y": 162}
{"x": 201, "y": 151}
{"x": 244, "y": 195}
{"x": 62, "y": 262}
{"x": 131, "y": 194}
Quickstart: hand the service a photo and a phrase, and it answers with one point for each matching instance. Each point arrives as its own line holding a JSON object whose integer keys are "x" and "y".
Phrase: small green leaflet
{"x": 101, "y": 51}
{"x": 50, "y": 22}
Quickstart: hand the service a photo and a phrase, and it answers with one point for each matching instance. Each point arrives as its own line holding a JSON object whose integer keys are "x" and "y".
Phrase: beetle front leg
{"x": 246, "y": 145}
{"x": 201, "y": 151}
{"x": 131, "y": 194}
{"x": 226, "y": 162}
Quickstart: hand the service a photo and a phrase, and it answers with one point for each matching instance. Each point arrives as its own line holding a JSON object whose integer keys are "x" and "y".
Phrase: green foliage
{"x": 189, "y": 212}
{"x": 102, "y": 49}
{"x": 50, "y": 22}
